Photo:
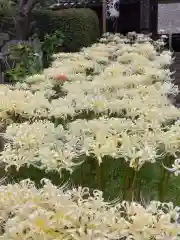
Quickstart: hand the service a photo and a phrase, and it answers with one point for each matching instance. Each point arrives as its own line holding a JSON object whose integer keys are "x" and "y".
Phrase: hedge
{"x": 79, "y": 26}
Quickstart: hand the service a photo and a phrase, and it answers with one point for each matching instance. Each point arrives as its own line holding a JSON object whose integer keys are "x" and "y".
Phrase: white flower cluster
{"x": 39, "y": 144}
{"x": 50, "y": 148}
{"x": 51, "y": 213}
{"x": 112, "y": 91}
{"x": 115, "y": 99}
{"x": 23, "y": 103}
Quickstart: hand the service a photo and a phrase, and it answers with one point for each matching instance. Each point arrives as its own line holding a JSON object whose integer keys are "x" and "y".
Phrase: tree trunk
{"x": 22, "y": 20}
{"x": 22, "y": 27}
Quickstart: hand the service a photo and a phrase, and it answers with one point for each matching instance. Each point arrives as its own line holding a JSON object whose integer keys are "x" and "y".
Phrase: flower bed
{"x": 57, "y": 213}
{"x": 126, "y": 104}
{"x": 94, "y": 114}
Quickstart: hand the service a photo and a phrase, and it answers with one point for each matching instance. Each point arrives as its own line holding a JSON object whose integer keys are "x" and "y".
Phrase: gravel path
{"x": 169, "y": 17}
{"x": 169, "y": 21}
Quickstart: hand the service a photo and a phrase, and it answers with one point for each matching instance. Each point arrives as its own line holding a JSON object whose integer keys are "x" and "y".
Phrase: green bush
{"x": 80, "y": 27}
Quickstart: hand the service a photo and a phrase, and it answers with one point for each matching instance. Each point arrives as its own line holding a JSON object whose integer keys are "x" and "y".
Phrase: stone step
{"x": 176, "y": 63}
{"x": 176, "y": 67}
{"x": 177, "y": 81}
{"x": 176, "y": 73}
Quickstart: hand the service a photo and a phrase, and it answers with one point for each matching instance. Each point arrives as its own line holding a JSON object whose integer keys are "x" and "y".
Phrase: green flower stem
{"x": 132, "y": 186}
{"x": 164, "y": 180}
{"x": 100, "y": 177}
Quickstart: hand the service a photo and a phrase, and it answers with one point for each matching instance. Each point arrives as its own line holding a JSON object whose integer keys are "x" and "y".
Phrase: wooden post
{"x": 154, "y": 17}
{"x": 104, "y": 16}
{"x": 144, "y": 16}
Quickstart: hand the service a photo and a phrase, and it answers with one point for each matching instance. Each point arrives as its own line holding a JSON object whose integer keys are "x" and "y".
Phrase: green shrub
{"x": 80, "y": 27}
{"x": 51, "y": 44}
{"x": 23, "y": 60}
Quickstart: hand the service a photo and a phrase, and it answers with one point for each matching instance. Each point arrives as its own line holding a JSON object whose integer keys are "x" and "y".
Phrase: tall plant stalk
{"x": 132, "y": 185}
{"x": 100, "y": 174}
{"x": 164, "y": 180}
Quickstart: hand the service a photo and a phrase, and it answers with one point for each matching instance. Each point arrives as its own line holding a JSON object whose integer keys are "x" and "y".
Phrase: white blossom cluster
{"x": 120, "y": 109}
{"x": 44, "y": 146}
{"x": 23, "y": 103}
{"x": 39, "y": 144}
{"x": 51, "y": 213}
